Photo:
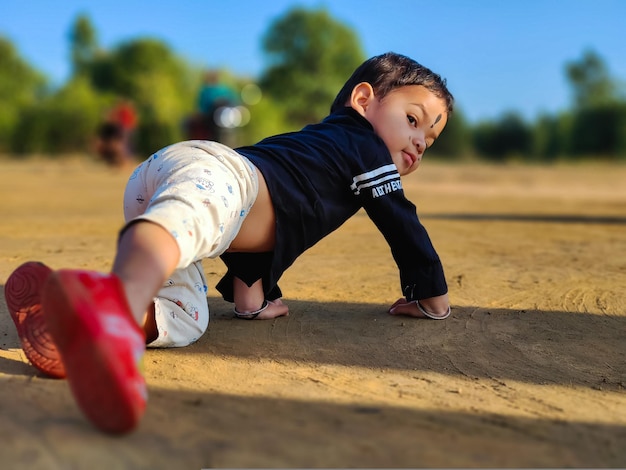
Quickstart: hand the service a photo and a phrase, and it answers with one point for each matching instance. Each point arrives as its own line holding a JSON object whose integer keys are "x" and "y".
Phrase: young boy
{"x": 258, "y": 208}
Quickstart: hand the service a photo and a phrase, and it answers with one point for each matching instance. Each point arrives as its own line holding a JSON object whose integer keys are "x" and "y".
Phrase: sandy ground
{"x": 529, "y": 371}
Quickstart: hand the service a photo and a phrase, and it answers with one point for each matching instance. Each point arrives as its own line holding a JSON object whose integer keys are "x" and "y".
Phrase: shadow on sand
{"x": 543, "y": 218}
{"x": 200, "y": 429}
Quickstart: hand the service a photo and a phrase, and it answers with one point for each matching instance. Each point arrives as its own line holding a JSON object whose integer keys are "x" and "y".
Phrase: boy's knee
{"x": 181, "y": 308}
{"x": 179, "y": 323}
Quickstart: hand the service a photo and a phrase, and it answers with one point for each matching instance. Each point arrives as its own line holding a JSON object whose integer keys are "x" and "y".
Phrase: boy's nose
{"x": 420, "y": 145}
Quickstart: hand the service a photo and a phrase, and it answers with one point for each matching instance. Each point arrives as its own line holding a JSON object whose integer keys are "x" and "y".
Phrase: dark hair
{"x": 389, "y": 71}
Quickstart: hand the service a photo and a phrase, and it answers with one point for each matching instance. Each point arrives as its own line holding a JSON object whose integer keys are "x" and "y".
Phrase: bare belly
{"x": 257, "y": 232}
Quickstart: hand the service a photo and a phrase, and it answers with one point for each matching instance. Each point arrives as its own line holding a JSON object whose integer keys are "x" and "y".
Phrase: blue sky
{"x": 497, "y": 55}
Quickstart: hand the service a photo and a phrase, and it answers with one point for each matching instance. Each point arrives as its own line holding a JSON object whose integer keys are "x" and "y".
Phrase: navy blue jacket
{"x": 318, "y": 178}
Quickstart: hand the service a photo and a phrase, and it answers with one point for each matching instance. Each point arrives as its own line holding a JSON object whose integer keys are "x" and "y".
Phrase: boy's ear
{"x": 361, "y": 97}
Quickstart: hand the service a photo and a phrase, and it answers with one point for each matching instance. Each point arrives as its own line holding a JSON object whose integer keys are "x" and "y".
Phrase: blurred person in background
{"x": 114, "y": 140}
{"x": 216, "y": 102}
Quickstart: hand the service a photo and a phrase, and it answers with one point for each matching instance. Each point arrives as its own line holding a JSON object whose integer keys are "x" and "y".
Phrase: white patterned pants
{"x": 200, "y": 192}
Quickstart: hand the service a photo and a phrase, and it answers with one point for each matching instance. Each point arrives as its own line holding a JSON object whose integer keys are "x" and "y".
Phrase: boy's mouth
{"x": 409, "y": 158}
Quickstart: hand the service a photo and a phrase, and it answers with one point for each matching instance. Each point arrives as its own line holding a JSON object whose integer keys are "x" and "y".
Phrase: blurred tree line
{"x": 595, "y": 126}
{"x": 309, "y": 55}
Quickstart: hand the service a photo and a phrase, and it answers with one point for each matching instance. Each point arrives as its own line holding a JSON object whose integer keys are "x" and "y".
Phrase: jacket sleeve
{"x": 421, "y": 271}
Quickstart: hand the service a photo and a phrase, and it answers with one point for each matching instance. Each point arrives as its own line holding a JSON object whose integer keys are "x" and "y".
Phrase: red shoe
{"x": 101, "y": 346}
{"x": 22, "y": 293}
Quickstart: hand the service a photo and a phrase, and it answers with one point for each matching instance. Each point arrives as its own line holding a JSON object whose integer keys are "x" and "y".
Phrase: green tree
{"x": 267, "y": 118}
{"x": 454, "y": 141}
{"x": 599, "y": 131}
{"x": 21, "y": 86}
{"x": 598, "y": 123}
{"x": 83, "y": 44}
{"x": 508, "y": 137}
{"x": 549, "y": 139}
{"x": 590, "y": 80}
{"x": 161, "y": 85}
{"x": 64, "y": 122}
{"x": 310, "y": 56}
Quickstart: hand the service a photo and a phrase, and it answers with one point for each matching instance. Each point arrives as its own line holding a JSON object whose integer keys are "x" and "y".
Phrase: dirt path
{"x": 529, "y": 371}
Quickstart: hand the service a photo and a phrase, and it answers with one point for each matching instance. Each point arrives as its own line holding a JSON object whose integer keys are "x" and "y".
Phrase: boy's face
{"x": 408, "y": 120}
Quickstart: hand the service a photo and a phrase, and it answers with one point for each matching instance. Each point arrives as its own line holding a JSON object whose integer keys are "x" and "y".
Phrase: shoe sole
{"x": 22, "y": 293}
{"x": 105, "y": 383}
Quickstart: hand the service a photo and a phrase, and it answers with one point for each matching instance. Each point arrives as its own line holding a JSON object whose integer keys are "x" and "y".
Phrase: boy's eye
{"x": 412, "y": 120}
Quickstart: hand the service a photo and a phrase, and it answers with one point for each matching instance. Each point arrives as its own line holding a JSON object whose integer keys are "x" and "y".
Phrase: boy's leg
{"x": 24, "y": 287}
{"x": 187, "y": 218}
{"x": 96, "y": 322}
{"x": 146, "y": 255}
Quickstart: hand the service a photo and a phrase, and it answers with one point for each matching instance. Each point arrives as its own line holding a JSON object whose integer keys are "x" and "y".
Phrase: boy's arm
{"x": 421, "y": 274}
{"x": 250, "y": 302}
